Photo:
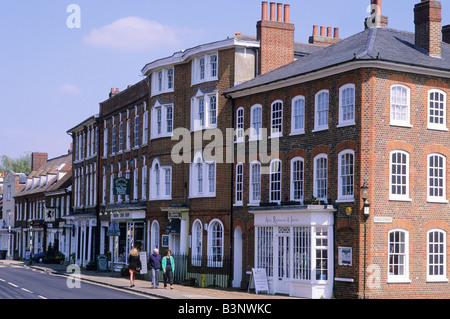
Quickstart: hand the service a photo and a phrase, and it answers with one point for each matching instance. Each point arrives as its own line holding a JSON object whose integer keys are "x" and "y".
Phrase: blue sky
{"x": 53, "y": 77}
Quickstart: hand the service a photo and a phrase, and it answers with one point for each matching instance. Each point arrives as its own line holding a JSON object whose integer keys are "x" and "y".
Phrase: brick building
{"x": 85, "y": 204}
{"x": 42, "y": 204}
{"x": 355, "y": 203}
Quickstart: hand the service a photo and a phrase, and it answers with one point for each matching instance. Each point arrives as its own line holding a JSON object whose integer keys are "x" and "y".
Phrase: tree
{"x": 22, "y": 164}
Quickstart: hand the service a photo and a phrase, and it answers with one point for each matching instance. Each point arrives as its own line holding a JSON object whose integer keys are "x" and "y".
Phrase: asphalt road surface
{"x": 22, "y": 282}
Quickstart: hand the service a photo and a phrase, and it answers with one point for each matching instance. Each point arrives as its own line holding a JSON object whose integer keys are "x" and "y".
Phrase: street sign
{"x": 113, "y": 230}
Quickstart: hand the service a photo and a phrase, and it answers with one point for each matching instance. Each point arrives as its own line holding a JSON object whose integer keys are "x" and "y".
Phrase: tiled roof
{"x": 380, "y": 44}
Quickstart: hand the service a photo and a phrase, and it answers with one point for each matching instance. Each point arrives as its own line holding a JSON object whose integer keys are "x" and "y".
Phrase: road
{"x": 23, "y": 282}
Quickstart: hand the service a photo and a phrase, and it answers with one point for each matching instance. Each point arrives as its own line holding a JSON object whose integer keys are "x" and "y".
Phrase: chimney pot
{"x": 279, "y": 12}
{"x": 322, "y": 31}
{"x": 329, "y": 32}
{"x": 264, "y": 10}
{"x": 336, "y": 33}
{"x": 272, "y": 11}
{"x": 287, "y": 13}
{"x": 315, "y": 30}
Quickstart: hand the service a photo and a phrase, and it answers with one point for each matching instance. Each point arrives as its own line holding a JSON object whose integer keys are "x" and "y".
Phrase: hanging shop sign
{"x": 121, "y": 186}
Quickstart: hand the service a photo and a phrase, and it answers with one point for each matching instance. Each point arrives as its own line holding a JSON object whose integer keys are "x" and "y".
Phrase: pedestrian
{"x": 168, "y": 267}
{"x": 133, "y": 265}
{"x": 155, "y": 266}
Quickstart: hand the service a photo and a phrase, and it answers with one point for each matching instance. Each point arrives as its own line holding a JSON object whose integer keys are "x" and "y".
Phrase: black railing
{"x": 202, "y": 271}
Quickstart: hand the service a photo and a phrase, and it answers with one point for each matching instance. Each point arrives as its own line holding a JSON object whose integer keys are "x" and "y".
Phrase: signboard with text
{"x": 258, "y": 280}
{"x": 121, "y": 186}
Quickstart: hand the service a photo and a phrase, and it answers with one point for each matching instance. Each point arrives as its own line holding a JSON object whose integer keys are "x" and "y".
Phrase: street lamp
{"x": 365, "y": 196}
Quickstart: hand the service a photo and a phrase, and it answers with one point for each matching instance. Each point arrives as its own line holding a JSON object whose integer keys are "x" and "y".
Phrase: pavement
{"x": 143, "y": 286}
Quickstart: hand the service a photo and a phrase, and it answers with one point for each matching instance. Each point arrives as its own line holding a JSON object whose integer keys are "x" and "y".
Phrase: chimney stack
{"x": 276, "y": 37}
{"x": 37, "y": 160}
{"x": 376, "y": 19}
{"x": 113, "y": 93}
{"x": 427, "y": 20}
{"x": 326, "y": 37}
{"x": 446, "y": 33}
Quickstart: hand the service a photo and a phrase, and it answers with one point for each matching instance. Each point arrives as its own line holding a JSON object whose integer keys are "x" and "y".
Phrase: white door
{"x": 282, "y": 276}
{"x": 237, "y": 276}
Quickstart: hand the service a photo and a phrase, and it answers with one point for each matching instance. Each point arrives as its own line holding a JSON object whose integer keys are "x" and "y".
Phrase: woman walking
{"x": 134, "y": 264}
{"x": 168, "y": 266}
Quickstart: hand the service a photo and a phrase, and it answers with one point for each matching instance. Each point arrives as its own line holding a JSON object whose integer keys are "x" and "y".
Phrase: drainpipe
{"x": 231, "y": 266}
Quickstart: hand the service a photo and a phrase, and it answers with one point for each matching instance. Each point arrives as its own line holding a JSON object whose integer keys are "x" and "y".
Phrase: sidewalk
{"x": 143, "y": 286}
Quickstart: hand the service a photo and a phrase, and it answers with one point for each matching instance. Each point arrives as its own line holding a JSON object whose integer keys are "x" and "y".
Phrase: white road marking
{"x": 26, "y": 290}
{"x": 10, "y": 283}
{"x": 2, "y": 280}
{"x": 42, "y": 297}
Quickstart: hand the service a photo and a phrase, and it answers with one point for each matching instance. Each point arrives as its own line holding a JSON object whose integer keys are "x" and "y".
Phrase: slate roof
{"x": 381, "y": 44}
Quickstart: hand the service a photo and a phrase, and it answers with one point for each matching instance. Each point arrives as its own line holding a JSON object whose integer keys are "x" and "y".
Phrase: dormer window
{"x": 162, "y": 81}
{"x": 205, "y": 68}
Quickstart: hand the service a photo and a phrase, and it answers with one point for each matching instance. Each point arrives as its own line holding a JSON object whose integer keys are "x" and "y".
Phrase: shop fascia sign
{"x": 121, "y": 186}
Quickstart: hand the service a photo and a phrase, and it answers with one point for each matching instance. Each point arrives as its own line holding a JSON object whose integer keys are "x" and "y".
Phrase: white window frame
{"x": 211, "y": 244}
{"x": 276, "y": 115}
{"x": 316, "y": 177}
{"x": 397, "y": 197}
{"x": 341, "y": 196}
{"x": 255, "y": 133}
{"x": 208, "y": 118}
{"x": 403, "y": 277}
{"x": 113, "y": 140}
{"x": 254, "y": 181}
{"x": 144, "y": 181}
{"x": 159, "y": 120}
{"x": 154, "y": 236}
{"x": 240, "y": 130}
{"x": 301, "y": 179}
{"x": 120, "y": 137}
{"x": 197, "y": 243}
{"x": 136, "y": 131}
{"x": 407, "y": 121}
{"x": 204, "y": 72}
{"x": 439, "y": 253}
{"x": 273, "y": 198}
{"x": 145, "y": 128}
{"x": 344, "y": 103}
{"x": 437, "y": 126}
{"x": 317, "y": 111}
{"x": 158, "y": 181}
{"x": 239, "y": 185}
{"x": 161, "y": 81}
{"x": 197, "y": 190}
{"x": 301, "y": 129}
{"x": 434, "y": 198}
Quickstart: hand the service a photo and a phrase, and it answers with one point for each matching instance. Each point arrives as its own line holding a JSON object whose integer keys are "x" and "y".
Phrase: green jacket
{"x": 164, "y": 263}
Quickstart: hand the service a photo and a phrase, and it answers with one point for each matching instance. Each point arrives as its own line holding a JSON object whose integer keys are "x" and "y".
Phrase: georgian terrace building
{"x": 355, "y": 204}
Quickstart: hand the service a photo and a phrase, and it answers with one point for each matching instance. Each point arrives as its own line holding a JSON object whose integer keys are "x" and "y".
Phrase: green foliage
{"x": 22, "y": 164}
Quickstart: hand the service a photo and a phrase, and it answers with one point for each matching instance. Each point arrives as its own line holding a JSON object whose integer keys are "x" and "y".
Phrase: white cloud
{"x": 69, "y": 89}
{"x": 135, "y": 34}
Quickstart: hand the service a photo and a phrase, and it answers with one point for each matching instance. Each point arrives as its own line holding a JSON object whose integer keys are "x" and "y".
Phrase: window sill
{"x": 319, "y": 129}
{"x": 437, "y": 280}
{"x": 346, "y": 124}
{"x": 437, "y": 200}
{"x": 399, "y": 199}
{"x": 399, "y": 281}
{"x": 343, "y": 200}
{"x": 401, "y": 125}
{"x": 437, "y": 128}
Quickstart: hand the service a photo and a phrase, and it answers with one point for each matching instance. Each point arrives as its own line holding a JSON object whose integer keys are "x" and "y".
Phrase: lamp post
{"x": 365, "y": 196}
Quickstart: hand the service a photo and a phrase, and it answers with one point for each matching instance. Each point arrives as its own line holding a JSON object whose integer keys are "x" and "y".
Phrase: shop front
{"x": 294, "y": 244}
{"x": 131, "y": 225}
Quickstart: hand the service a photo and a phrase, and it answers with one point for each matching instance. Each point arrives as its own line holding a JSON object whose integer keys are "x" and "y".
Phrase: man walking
{"x": 155, "y": 266}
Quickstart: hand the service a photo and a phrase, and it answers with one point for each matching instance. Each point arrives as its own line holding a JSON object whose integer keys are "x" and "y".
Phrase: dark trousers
{"x": 168, "y": 276}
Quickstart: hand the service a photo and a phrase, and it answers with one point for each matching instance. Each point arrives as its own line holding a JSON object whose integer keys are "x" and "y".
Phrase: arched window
{"x": 347, "y": 105}
{"x": 215, "y": 243}
{"x": 275, "y": 181}
{"x": 197, "y": 243}
{"x": 346, "y": 175}
{"x": 437, "y": 252}
{"x": 154, "y": 242}
{"x": 399, "y": 175}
